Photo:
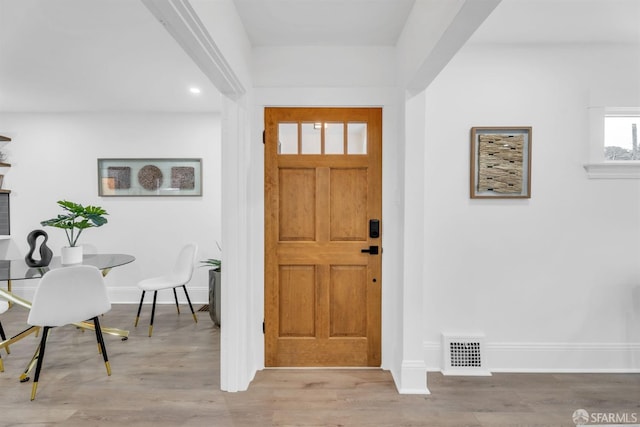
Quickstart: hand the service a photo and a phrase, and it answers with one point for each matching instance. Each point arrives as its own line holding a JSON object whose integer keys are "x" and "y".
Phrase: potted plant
{"x": 73, "y": 221}
{"x": 214, "y": 288}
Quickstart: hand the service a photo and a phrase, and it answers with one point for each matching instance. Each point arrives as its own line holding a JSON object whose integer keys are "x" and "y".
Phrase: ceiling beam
{"x": 181, "y": 21}
{"x": 469, "y": 16}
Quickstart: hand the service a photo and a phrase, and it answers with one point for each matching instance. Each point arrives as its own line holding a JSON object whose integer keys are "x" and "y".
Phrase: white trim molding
{"x": 613, "y": 170}
{"x": 413, "y": 378}
{"x": 552, "y": 357}
{"x": 564, "y": 357}
{"x": 131, "y": 294}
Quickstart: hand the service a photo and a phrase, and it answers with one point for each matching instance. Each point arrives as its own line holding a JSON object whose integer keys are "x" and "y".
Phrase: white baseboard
{"x": 131, "y": 294}
{"x": 433, "y": 356}
{"x": 412, "y": 378}
{"x": 551, "y": 357}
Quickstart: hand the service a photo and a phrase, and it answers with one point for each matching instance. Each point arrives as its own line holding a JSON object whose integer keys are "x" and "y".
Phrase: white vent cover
{"x": 464, "y": 355}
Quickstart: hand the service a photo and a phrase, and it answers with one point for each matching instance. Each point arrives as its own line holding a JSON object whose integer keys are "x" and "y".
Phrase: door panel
{"x": 348, "y": 204}
{"x": 348, "y": 290}
{"x": 297, "y": 204}
{"x": 322, "y": 186}
{"x": 297, "y": 300}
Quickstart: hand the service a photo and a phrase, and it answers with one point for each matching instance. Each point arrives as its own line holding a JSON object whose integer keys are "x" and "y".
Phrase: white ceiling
{"x": 113, "y": 55}
{"x": 562, "y": 21}
{"x": 323, "y": 22}
{"x": 94, "y": 55}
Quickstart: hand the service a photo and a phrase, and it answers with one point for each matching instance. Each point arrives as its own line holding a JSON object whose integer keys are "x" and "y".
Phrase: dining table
{"x": 17, "y": 269}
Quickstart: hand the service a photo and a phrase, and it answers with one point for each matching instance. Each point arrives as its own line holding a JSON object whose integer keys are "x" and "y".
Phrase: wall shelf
{"x": 5, "y": 227}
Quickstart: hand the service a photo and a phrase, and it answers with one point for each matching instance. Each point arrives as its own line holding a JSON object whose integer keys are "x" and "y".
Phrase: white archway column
{"x": 413, "y": 370}
{"x": 180, "y": 19}
{"x": 433, "y": 34}
{"x": 237, "y": 366}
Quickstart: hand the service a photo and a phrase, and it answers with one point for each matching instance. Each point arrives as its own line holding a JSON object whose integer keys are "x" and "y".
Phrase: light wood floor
{"x": 172, "y": 379}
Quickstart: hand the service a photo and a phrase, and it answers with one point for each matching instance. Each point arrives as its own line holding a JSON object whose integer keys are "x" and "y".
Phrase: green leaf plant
{"x": 76, "y": 217}
{"x": 212, "y": 262}
{"x": 215, "y": 263}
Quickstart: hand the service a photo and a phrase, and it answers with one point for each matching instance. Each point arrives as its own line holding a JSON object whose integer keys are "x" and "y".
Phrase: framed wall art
{"x": 149, "y": 177}
{"x": 500, "y": 163}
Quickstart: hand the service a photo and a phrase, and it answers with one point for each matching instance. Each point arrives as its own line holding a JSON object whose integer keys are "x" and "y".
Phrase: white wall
{"x": 54, "y": 157}
{"x": 554, "y": 281}
{"x": 324, "y": 66}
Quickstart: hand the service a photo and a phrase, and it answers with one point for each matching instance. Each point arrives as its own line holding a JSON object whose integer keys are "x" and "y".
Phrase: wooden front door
{"x": 323, "y": 196}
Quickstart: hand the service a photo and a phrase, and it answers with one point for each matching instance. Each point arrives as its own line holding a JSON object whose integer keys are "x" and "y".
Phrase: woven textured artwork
{"x": 500, "y": 163}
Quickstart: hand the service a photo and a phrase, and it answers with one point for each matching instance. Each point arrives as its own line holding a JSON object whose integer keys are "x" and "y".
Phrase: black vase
{"x": 45, "y": 253}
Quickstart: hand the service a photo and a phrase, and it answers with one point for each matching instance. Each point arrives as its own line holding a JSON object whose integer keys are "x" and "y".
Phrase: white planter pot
{"x": 71, "y": 255}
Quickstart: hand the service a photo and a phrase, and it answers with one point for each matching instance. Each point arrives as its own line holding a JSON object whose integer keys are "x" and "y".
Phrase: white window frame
{"x": 598, "y": 167}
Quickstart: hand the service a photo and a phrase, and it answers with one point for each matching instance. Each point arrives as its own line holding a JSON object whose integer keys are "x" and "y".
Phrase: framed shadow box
{"x": 149, "y": 177}
{"x": 500, "y": 163}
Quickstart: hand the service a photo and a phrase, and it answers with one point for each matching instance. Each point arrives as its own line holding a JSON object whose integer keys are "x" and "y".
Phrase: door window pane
{"x": 334, "y": 138}
{"x": 357, "y": 138}
{"x": 287, "y": 138}
{"x": 311, "y": 138}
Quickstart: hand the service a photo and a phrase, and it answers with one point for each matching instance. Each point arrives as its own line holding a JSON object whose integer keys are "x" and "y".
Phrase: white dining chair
{"x": 65, "y": 296}
{"x": 179, "y": 276}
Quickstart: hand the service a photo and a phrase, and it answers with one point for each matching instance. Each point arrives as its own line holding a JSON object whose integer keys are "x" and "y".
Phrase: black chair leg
{"x": 4, "y": 338}
{"x": 43, "y": 342}
{"x": 175, "y": 296}
{"x": 153, "y": 312}
{"x": 139, "y": 309}
{"x": 103, "y": 348}
{"x": 189, "y": 301}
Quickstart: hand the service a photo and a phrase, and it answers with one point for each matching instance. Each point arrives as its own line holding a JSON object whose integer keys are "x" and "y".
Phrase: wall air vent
{"x": 464, "y": 355}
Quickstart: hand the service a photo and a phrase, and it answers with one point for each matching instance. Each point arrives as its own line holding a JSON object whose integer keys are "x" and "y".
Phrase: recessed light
{"x": 194, "y": 90}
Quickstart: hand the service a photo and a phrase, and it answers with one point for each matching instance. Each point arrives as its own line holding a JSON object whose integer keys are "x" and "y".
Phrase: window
{"x": 621, "y": 136}
{"x": 338, "y": 138}
{"x": 613, "y": 154}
